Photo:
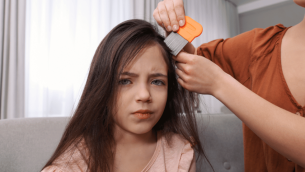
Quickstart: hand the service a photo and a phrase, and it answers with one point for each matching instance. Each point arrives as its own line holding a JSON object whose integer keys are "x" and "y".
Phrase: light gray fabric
{"x": 222, "y": 138}
{"x": 143, "y": 9}
{"x": 27, "y": 144}
{"x": 12, "y": 49}
{"x": 31, "y": 142}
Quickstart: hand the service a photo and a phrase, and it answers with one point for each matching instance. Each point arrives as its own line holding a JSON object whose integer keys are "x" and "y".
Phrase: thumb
{"x": 183, "y": 57}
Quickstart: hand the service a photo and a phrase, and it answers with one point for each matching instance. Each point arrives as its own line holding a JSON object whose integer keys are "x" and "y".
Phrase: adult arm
{"x": 280, "y": 129}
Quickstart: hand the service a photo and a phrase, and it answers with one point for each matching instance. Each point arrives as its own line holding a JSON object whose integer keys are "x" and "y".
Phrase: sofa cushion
{"x": 27, "y": 144}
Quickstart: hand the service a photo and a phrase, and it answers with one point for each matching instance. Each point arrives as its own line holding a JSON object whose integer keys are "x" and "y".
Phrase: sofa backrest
{"x": 27, "y": 144}
{"x": 222, "y": 138}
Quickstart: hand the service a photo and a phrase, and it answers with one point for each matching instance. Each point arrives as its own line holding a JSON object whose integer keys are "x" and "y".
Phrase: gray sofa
{"x": 26, "y": 144}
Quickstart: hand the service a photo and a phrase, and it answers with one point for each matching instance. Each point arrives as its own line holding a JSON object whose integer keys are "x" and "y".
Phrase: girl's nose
{"x": 143, "y": 94}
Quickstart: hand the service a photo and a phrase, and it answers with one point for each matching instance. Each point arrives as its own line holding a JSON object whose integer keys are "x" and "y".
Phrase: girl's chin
{"x": 140, "y": 129}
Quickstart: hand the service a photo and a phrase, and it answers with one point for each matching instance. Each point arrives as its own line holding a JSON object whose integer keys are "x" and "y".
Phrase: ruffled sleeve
{"x": 187, "y": 161}
{"x": 52, "y": 168}
{"x": 74, "y": 159}
{"x": 177, "y": 155}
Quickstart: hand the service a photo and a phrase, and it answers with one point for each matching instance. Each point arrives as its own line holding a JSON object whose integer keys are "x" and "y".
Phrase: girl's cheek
{"x": 160, "y": 93}
{"x": 159, "y": 87}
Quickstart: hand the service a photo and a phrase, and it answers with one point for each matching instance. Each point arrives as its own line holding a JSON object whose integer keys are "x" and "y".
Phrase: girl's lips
{"x": 142, "y": 115}
{"x": 143, "y": 111}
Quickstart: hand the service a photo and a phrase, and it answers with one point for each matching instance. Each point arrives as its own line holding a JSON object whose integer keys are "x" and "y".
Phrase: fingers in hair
{"x": 182, "y": 83}
{"x": 182, "y": 75}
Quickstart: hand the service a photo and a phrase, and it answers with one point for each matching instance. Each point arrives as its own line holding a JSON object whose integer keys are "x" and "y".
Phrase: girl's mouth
{"x": 142, "y": 115}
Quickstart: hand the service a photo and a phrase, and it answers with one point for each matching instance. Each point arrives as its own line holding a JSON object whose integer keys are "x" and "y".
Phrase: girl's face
{"x": 300, "y": 2}
{"x": 142, "y": 92}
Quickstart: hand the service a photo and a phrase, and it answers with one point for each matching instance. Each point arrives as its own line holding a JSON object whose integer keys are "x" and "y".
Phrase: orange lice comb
{"x": 186, "y": 33}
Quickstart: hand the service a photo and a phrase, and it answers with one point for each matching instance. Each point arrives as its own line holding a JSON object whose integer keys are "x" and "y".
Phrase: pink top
{"x": 179, "y": 157}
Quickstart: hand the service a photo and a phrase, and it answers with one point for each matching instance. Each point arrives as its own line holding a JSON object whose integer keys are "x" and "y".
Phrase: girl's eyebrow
{"x": 151, "y": 75}
{"x": 129, "y": 74}
{"x": 158, "y": 75}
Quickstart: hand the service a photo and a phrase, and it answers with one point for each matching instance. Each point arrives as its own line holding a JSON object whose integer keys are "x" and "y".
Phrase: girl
{"x": 132, "y": 115}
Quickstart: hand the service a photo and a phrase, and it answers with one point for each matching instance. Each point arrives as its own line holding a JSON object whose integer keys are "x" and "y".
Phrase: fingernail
{"x": 175, "y": 27}
{"x": 181, "y": 22}
{"x": 169, "y": 28}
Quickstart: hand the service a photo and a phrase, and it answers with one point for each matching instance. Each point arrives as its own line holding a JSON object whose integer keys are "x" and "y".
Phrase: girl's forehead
{"x": 149, "y": 59}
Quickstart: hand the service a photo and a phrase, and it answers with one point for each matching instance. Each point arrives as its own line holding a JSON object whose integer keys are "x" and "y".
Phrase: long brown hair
{"x": 93, "y": 121}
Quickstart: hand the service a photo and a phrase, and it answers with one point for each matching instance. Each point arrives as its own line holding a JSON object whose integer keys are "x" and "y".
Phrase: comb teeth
{"x": 175, "y": 42}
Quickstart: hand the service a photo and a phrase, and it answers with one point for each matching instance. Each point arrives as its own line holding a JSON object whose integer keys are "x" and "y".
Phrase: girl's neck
{"x": 123, "y": 137}
{"x": 133, "y": 152}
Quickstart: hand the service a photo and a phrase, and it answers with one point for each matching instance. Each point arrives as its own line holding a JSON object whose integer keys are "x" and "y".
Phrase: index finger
{"x": 179, "y": 9}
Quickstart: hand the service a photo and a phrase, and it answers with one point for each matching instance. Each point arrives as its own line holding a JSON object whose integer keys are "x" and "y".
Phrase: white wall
{"x": 287, "y": 14}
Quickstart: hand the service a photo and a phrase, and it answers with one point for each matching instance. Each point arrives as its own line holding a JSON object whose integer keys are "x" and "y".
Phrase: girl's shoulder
{"x": 176, "y": 145}
{"x": 173, "y": 140}
{"x": 73, "y": 159}
{"x": 175, "y": 153}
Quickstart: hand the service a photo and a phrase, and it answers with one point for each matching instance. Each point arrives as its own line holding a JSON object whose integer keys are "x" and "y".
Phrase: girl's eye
{"x": 124, "y": 82}
{"x": 157, "y": 82}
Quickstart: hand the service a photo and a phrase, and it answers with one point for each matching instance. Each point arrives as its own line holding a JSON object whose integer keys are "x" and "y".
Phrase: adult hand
{"x": 198, "y": 74}
{"x": 170, "y": 14}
